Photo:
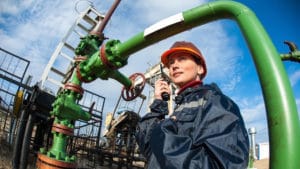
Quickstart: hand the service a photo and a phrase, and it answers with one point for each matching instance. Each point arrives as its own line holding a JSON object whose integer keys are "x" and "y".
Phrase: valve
{"x": 293, "y": 55}
{"x": 292, "y": 45}
{"x": 138, "y": 84}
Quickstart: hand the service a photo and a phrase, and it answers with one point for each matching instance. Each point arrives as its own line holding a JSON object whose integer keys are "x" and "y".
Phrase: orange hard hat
{"x": 185, "y": 47}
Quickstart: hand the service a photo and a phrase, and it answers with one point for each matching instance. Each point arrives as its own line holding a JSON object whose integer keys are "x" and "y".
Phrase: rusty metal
{"x": 79, "y": 59}
{"x": 104, "y": 59}
{"x": 135, "y": 90}
{"x": 62, "y": 129}
{"x": 45, "y": 162}
{"x": 98, "y": 30}
{"x": 74, "y": 87}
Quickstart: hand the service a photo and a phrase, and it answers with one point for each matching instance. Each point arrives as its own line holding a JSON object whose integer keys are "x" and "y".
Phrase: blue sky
{"x": 33, "y": 28}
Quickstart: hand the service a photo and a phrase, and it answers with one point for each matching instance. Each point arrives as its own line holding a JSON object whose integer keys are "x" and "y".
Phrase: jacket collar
{"x": 186, "y": 89}
{"x": 191, "y": 84}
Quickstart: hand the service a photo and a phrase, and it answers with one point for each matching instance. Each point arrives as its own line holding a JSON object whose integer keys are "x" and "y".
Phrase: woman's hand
{"x": 161, "y": 86}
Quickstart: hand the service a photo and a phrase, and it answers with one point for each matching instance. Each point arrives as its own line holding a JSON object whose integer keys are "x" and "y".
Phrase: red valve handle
{"x": 131, "y": 93}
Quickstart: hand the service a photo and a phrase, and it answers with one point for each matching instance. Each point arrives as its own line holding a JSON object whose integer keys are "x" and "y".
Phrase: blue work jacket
{"x": 206, "y": 131}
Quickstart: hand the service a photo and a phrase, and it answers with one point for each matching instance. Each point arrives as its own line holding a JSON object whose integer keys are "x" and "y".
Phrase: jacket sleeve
{"x": 221, "y": 135}
{"x": 159, "y": 109}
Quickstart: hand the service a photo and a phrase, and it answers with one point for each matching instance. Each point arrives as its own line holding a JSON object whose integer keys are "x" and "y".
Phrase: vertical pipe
{"x": 19, "y": 139}
{"x": 283, "y": 120}
{"x": 98, "y": 30}
{"x": 252, "y": 155}
{"x": 27, "y": 141}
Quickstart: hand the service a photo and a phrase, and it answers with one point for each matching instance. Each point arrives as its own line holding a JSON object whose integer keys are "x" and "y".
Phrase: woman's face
{"x": 183, "y": 69}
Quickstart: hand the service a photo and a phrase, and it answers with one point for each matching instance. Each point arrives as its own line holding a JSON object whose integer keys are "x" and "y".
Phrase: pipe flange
{"x": 45, "y": 162}
{"x": 79, "y": 59}
{"x": 62, "y": 129}
{"x": 104, "y": 59}
{"x": 80, "y": 77}
{"x": 74, "y": 87}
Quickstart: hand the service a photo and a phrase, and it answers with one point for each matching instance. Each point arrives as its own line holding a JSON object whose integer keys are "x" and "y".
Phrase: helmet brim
{"x": 166, "y": 54}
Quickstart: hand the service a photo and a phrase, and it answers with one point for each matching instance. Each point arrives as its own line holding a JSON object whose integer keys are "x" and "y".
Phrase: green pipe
{"x": 94, "y": 67}
{"x": 114, "y": 74}
{"x": 283, "y": 120}
{"x": 59, "y": 146}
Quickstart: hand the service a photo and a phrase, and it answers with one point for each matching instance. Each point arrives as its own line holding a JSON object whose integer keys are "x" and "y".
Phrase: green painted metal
{"x": 88, "y": 45}
{"x": 65, "y": 107}
{"x": 59, "y": 146}
{"x": 283, "y": 120}
{"x": 251, "y": 160}
{"x": 94, "y": 68}
{"x": 293, "y": 56}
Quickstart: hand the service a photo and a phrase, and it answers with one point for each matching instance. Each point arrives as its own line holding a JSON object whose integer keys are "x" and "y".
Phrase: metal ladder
{"x": 62, "y": 58}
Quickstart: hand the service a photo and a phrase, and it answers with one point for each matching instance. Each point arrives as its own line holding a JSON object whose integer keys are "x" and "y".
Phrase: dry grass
{"x": 5, "y": 154}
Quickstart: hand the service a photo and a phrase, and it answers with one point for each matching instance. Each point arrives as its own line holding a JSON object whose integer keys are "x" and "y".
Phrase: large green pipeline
{"x": 282, "y": 116}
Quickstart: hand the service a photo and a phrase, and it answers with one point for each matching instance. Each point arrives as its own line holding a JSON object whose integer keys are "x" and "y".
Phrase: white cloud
{"x": 153, "y": 10}
{"x": 14, "y": 7}
{"x": 254, "y": 114}
{"x": 295, "y": 78}
{"x": 35, "y": 29}
{"x": 40, "y": 25}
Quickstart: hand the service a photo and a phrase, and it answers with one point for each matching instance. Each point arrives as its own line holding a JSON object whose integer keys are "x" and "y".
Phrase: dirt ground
{"x": 261, "y": 164}
{"x": 6, "y": 151}
{"x": 5, "y": 154}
